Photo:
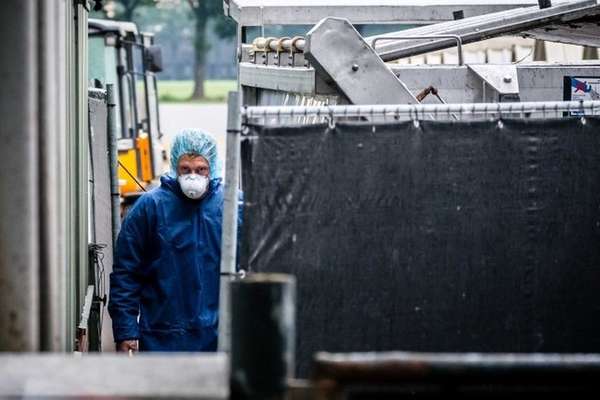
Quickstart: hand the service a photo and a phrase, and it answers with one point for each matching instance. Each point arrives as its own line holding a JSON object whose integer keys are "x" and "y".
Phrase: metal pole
{"x": 51, "y": 64}
{"x": 81, "y": 156}
{"x": 263, "y": 336}
{"x": 113, "y": 159}
{"x": 230, "y": 216}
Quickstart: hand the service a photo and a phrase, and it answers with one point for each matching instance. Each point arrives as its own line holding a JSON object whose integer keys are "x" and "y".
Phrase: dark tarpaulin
{"x": 450, "y": 236}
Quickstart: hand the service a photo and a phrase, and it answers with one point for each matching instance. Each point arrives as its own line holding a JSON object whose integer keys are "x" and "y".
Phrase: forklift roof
{"x": 308, "y": 12}
{"x": 104, "y": 25}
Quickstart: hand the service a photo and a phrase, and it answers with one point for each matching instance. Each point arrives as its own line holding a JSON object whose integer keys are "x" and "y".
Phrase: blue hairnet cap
{"x": 194, "y": 141}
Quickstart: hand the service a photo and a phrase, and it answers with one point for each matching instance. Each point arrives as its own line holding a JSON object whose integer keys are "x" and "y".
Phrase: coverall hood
{"x": 194, "y": 141}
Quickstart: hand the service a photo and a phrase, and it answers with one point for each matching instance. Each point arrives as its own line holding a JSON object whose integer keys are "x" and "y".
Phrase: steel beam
{"x": 536, "y": 82}
{"x": 583, "y": 32}
{"x": 336, "y": 50}
{"x": 309, "y": 12}
{"x": 487, "y": 26}
{"x": 295, "y": 80}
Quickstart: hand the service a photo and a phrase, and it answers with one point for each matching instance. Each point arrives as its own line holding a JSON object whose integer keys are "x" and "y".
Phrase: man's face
{"x": 193, "y": 165}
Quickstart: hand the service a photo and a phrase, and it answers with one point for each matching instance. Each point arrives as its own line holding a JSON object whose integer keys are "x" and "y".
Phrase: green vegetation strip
{"x": 215, "y": 91}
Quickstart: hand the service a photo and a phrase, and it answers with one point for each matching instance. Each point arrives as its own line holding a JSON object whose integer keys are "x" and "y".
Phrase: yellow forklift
{"x": 129, "y": 59}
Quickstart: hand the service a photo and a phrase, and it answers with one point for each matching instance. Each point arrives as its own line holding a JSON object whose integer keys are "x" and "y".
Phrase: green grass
{"x": 181, "y": 91}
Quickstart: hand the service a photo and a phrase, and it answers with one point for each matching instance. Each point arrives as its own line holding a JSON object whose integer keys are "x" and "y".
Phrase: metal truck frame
{"x": 333, "y": 72}
{"x": 334, "y": 64}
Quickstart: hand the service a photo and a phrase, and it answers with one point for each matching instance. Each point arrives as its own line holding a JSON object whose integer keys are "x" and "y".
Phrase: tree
{"x": 129, "y": 7}
{"x": 204, "y": 11}
{"x": 124, "y": 9}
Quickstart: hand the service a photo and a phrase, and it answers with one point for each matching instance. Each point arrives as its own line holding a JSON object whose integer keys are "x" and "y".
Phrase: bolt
{"x": 354, "y": 67}
{"x": 507, "y": 79}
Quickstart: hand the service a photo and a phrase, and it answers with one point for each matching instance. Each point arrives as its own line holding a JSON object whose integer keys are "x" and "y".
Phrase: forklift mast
{"x": 121, "y": 55}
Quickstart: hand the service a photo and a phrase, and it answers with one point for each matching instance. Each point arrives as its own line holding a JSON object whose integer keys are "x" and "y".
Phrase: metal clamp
{"x": 241, "y": 274}
{"x": 455, "y": 37}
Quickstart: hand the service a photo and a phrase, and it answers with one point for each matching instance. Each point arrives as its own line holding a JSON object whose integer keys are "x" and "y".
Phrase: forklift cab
{"x": 121, "y": 55}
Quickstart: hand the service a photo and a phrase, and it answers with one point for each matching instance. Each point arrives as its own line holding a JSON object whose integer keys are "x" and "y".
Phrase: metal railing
{"x": 426, "y": 111}
{"x": 456, "y": 38}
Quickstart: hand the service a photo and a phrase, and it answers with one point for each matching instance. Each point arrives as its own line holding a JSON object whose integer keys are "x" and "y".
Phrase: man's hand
{"x": 127, "y": 345}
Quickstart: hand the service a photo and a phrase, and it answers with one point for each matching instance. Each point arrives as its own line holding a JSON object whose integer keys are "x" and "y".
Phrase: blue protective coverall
{"x": 167, "y": 270}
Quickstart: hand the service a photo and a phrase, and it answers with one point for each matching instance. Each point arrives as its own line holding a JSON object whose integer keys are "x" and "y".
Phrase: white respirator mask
{"x": 193, "y": 185}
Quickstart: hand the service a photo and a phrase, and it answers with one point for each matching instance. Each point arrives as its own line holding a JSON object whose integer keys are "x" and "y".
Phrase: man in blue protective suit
{"x": 167, "y": 264}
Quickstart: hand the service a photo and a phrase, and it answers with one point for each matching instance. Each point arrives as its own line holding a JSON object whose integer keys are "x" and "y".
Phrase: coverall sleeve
{"x": 126, "y": 278}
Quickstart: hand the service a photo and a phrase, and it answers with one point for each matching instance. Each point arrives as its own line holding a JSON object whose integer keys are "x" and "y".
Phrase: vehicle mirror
{"x": 154, "y": 58}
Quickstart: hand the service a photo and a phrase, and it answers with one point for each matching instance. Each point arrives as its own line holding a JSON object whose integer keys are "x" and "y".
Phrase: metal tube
{"x": 295, "y": 44}
{"x": 60, "y": 98}
{"x": 113, "y": 159}
{"x": 419, "y": 109}
{"x": 52, "y": 230}
{"x": 263, "y": 336}
{"x": 80, "y": 160}
{"x": 455, "y": 37}
{"x": 230, "y": 217}
{"x": 299, "y": 44}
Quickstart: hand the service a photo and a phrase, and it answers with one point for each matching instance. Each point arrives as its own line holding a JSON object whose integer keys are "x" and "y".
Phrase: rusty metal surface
{"x": 407, "y": 366}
